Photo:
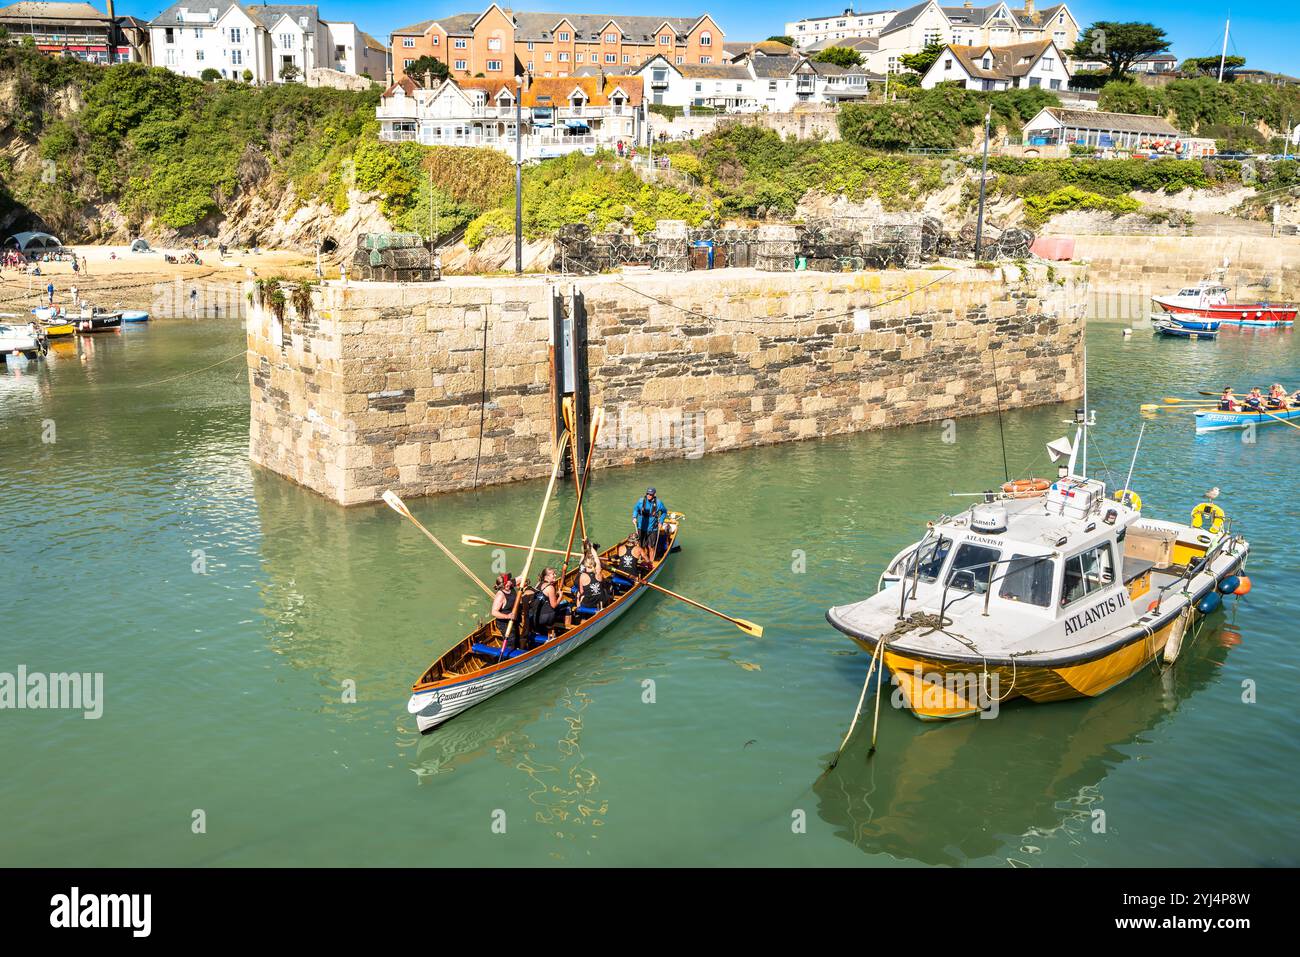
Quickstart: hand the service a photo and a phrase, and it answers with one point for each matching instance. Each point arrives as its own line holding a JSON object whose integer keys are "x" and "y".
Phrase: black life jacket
{"x": 627, "y": 561}
{"x": 540, "y": 613}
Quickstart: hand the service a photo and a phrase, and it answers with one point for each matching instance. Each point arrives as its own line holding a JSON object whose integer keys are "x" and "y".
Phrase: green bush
{"x": 1039, "y": 209}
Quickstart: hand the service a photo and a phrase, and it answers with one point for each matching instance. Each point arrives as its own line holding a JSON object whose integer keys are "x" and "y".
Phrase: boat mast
{"x": 1223, "y": 55}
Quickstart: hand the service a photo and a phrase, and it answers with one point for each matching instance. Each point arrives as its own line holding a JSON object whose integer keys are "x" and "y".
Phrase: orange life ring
{"x": 1026, "y": 488}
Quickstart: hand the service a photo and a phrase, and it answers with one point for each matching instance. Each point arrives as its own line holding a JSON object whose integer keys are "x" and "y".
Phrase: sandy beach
{"x": 114, "y": 276}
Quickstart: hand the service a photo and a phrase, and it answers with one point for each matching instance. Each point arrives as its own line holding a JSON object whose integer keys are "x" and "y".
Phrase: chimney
{"x": 428, "y": 79}
{"x": 1029, "y": 7}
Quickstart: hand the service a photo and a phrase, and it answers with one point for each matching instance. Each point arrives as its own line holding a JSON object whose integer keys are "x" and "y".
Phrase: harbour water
{"x": 257, "y": 646}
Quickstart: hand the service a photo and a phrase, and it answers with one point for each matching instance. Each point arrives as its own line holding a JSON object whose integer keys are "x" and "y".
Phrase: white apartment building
{"x": 192, "y": 36}
{"x": 558, "y": 114}
{"x": 843, "y": 26}
{"x": 912, "y": 29}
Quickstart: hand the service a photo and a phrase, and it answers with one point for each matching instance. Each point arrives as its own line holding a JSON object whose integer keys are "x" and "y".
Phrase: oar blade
{"x": 749, "y": 628}
{"x": 473, "y": 540}
{"x": 396, "y": 504}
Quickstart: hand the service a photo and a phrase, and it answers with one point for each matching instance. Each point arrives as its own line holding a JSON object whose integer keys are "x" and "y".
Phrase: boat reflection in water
{"x": 1004, "y": 788}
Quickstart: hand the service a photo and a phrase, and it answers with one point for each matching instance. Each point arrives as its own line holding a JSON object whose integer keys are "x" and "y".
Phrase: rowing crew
{"x": 523, "y": 614}
{"x": 1256, "y": 400}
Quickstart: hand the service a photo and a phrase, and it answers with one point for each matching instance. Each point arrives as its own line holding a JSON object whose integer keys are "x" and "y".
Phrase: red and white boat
{"x": 1209, "y": 300}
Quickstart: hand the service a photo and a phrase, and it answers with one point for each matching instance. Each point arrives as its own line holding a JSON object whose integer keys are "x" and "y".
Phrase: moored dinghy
{"x": 1060, "y": 596}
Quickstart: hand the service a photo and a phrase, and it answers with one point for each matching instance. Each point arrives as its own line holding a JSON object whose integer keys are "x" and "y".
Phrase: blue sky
{"x": 1261, "y": 30}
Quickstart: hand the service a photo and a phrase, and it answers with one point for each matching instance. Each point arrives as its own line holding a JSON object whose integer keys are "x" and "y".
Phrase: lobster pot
{"x": 385, "y": 241}
{"x": 769, "y": 263}
{"x": 672, "y": 263}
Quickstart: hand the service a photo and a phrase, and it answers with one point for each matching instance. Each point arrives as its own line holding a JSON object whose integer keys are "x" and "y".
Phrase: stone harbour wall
{"x": 380, "y": 387}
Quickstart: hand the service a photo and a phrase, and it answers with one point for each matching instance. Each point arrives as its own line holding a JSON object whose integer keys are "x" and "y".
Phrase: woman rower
{"x": 1276, "y": 396}
{"x": 1227, "y": 401}
{"x": 1255, "y": 400}
{"x": 546, "y": 607}
{"x": 504, "y": 607}
{"x": 591, "y": 584}
{"x": 629, "y": 558}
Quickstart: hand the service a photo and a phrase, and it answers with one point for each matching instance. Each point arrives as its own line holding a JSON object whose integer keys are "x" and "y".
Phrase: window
{"x": 706, "y": 39}
{"x": 680, "y": 59}
{"x": 627, "y": 58}
{"x": 494, "y": 43}
{"x": 460, "y": 43}
{"x": 947, "y": 64}
{"x": 234, "y": 34}
{"x": 1027, "y": 579}
{"x": 665, "y": 40}
{"x": 611, "y": 37}
{"x": 547, "y": 56}
{"x": 972, "y": 568}
{"x": 699, "y": 87}
{"x": 1087, "y": 573}
{"x": 236, "y": 56}
{"x": 530, "y": 66}
{"x": 578, "y": 57}
{"x": 564, "y": 57}
{"x": 611, "y": 57}
{"x": 931, "y": 36}
{"x": 198, "y": 33}
{"x": 987, "y": 63}
{"x": 198, "y": 55}
{"x": 930, "y": 562}
{"x": 460, "y": 65}
{"x": 1047, "y": 63}
{"x": 410, "y": 41}
{"x": 494, "y": 66}
{"x": 771, "y": 86}
{"x": 530, "y": 46}
{"x": 286, "y": 41}
{"x": 1056, "y": 84}
{"x": 1035, "y": 81}
{"x": 171, "y": 57}
{"x": 169, "y": 35}
{"x": 562, "y": 36}
{"x": 706, "y": 59}
{"x": 340, "y": 52}
{"x": 433, "y": 41}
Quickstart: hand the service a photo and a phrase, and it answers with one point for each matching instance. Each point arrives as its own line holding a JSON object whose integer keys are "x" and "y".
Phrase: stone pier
{"x": 427, "y": 388}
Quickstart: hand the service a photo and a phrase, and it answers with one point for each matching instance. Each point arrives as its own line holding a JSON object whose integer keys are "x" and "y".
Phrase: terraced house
{"x": 505, "y": 43}
{"x": 882, "y": 37}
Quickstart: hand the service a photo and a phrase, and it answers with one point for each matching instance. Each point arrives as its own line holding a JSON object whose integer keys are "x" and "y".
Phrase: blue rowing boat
{"x": 1167, "y": 327}
{"x": 1216, "y": 420}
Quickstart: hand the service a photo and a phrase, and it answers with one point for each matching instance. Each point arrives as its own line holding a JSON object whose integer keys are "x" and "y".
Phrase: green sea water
{"x": 230, "y": 614}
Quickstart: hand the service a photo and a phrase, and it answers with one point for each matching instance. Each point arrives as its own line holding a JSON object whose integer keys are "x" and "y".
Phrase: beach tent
{"x": 32, "y": 242}
{"x": 140, "y": 246}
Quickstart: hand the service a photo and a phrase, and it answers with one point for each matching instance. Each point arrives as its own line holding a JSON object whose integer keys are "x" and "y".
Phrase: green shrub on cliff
{"x": 1195, "y": 105}
{"x": 1039, "y": 209}
{"x": 941, "y": 118}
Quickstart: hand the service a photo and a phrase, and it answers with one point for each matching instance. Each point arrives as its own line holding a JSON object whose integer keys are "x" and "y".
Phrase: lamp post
{"x": 984, "y": 172}
{"x": 519, "y": 175}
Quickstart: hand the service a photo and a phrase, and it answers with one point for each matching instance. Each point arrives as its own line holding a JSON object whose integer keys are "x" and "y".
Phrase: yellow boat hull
{"x": 60, "y": 329}
{"x": 937, "y": 690}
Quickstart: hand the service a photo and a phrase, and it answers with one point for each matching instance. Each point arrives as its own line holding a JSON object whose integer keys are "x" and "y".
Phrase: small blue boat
{"x": 135, "y": 315}
{"x": 1167, "y": 327}
{"x": 1198, "y": 325}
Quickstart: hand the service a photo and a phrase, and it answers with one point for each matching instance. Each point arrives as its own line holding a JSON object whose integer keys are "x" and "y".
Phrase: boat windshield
{"x": 1087, "y": 573}
{"x": 1028, "y": 579}
{"x": 972, "y": 567}
{"x": 931, "y": 561}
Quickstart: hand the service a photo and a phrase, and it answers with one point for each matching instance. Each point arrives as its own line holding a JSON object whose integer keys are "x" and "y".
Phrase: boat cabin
{"x": 1068, "y": 556}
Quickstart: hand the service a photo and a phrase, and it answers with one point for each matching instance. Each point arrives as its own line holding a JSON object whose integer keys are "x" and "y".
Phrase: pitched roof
{"x": 713, "y": 71}
{"x": 371, "y": 42}
{"x": 26, "y": 9}
{"x": 846, "y": 13}
{"x": 861, "y": 44}
{"x": 1118, "y": 122}
{"x": 589, "y": 26}
{"x": 1015, "y": 59}
{"x": 771, "y": 67}
{"x": 555, "y": 90}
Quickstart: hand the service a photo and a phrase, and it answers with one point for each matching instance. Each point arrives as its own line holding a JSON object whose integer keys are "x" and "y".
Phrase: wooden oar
{"x": 398, "y": 506}
{"x": 597, "y": 421}
{"x": 1278, "y": 417}
{"x": 1156, "y": 407}
{"x": 748, "y": 627}
{"x": 537, "y": 532}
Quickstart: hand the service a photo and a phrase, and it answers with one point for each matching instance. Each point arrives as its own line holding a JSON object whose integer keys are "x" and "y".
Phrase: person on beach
{"x": 49, "y": 291}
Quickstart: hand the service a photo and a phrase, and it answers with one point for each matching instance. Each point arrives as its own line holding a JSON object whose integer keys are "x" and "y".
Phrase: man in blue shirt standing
{"x": 648, "y": 516}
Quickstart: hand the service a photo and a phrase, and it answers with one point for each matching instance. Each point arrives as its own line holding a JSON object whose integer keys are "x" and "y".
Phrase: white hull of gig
{"x": 438, "y": 705}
